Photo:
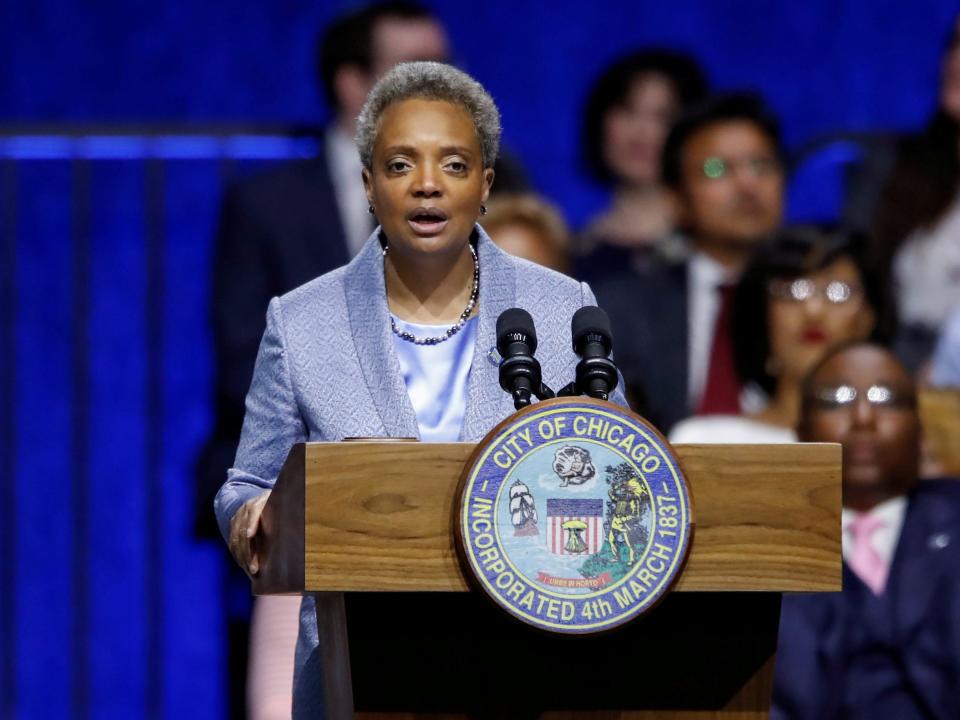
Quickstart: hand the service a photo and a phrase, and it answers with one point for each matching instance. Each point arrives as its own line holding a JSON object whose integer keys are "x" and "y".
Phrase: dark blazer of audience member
{"x": 723, "y": 161}
{"x": 627, "y": 117}
{"x": 301, "y": 219}
{"x": 773, "y": 352}
{"x": 889, "y": 649}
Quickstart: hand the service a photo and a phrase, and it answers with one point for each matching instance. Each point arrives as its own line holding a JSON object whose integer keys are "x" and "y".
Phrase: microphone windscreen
{"x": 515, "y": 325}
{"x": 590, "y": 320}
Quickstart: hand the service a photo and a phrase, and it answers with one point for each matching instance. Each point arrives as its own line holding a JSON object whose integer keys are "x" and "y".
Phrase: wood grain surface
{"x": 378, "y": 516}
{"x": 940, "y": 416}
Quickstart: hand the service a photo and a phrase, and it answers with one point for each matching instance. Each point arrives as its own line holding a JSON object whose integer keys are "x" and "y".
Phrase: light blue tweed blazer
{"x": 327, "y": 370}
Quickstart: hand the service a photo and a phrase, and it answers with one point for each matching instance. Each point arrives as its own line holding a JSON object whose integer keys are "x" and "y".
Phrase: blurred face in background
{"x": 811, "y": 314}
{"x": 526, "y": 241}
{"x": 394, "y": 40}
{"x": 864, "y": 399}
{"x": 732, "y": 184}
{"x": 950, "y": 82}
{"x": 634, "y": 132}
{"x": 397, "y": 39}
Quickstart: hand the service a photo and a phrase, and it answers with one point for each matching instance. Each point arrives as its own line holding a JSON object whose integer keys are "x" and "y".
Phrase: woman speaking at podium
{"x": 398, "y": 343}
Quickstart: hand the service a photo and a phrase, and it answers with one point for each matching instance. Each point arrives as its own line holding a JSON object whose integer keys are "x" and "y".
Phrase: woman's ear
{"x": 367, "y": 185}
{"x": 487, "y": 184}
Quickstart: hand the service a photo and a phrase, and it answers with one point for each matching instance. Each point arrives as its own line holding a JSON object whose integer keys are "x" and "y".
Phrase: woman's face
{"x": 427, "y": 179}
{"x": 809, "y": 315}
{"x": 634, "y": 132}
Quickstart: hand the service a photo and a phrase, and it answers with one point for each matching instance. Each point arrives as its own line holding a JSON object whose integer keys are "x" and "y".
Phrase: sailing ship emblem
{"x": 523, "y": 510}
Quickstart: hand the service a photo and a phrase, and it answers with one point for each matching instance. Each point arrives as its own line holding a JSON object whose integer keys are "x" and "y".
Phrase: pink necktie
{"x": 865, "y": 561}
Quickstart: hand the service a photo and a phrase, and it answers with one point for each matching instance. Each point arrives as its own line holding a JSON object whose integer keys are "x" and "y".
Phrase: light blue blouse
{"x": 436, "y": 377}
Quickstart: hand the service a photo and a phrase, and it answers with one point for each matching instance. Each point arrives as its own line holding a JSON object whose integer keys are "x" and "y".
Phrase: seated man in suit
{"x": 671, "y": 320}
{"x": 888, "y": 646}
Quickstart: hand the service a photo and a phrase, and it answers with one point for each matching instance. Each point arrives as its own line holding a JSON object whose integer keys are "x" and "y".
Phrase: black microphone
{"x": 516, "y": 342}
{"x": 593, "y": 341}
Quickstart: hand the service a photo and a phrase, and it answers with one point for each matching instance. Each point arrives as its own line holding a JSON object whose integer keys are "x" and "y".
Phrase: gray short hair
{"x": 430, "y": 81}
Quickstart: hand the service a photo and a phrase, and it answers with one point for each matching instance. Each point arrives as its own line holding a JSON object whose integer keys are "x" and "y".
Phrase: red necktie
{"x": 722, "y": 392}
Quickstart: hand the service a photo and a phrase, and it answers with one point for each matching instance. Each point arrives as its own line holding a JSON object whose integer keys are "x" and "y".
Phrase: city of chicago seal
{"x": 574, "y": 516}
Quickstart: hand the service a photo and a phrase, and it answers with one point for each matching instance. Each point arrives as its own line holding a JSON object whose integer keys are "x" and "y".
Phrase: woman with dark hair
{"x": 806, "y": 291}
{"x": 917, "y": 221}
{"x": 626, "y": 120}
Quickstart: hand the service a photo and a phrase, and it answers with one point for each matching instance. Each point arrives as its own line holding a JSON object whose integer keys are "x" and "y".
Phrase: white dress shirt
{"x": 927, "y": 271}
{"x": 704, "y": 275}
{"x": 724, "y": 429}
{"x": 343, "y": 160}
{"x": 884, "y": 539}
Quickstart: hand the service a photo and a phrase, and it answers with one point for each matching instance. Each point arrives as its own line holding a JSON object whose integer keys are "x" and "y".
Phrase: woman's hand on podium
{"x": 243, "y": 530}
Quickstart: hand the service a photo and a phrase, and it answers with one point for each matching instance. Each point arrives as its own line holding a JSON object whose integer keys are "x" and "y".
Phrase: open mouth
{"x": 427, "y": 221}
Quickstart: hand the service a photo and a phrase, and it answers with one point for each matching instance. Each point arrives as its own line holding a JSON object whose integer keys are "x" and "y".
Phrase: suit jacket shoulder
{"x": 649, "y": 319}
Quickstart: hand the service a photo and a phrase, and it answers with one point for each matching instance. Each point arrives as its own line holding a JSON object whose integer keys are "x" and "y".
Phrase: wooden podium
{"x": 368, "y": 526}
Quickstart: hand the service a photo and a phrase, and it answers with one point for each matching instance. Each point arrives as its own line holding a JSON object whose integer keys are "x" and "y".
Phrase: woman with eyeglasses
{"x": 806, "y": 291}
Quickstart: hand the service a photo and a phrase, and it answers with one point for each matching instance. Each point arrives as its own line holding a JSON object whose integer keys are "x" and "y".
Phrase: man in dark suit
{"x": 671, "y": 319}
{"x": 888, "y": 646}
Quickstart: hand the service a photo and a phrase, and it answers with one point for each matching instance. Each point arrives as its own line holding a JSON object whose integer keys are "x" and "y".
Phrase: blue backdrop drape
{"x": 108, "y": 608}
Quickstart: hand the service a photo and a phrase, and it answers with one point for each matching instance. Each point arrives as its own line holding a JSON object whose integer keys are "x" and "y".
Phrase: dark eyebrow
{"x": 456, "y": 150}
{"x": 446, "y": 150}
{"x": 402, "y": 149}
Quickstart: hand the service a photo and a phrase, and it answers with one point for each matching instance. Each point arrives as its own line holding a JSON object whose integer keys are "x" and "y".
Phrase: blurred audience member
{"x": 888, "y": 646}
{"x": 529, "y": 227}
{"x": 917, "y": 222}
{"x": 945, "y": 367}
{"x": 671, "y": 320}
{"x": 802, "y": 294}
{"x": 627, "y": 117}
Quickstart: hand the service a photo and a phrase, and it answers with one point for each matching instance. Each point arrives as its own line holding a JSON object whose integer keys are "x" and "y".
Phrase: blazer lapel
{"x": 917, "y": 563}
{"x": 487, "y": 403}
{"x": 373, "y": 339}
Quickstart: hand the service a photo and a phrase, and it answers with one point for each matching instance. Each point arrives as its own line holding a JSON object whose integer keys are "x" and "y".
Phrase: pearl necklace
{"x": 456, "y": 327}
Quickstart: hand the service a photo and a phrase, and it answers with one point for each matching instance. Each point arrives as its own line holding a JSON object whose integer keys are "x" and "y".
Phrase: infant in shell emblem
{"x": 613, "y": 524}
{"x": 573, "y": 466}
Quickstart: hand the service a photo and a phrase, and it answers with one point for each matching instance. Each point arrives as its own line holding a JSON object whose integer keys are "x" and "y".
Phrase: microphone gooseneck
{"x": 593, "y": 341}
{"x": 520, "y": 373}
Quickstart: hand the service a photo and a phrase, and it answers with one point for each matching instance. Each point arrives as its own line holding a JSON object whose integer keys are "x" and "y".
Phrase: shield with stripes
{"x": 574, "y": 526}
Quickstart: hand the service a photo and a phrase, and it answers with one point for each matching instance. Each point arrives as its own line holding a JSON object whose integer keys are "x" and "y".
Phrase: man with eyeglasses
{"x": 671, "y": 319}
{"x": 888, "y": 646}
